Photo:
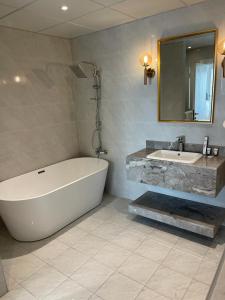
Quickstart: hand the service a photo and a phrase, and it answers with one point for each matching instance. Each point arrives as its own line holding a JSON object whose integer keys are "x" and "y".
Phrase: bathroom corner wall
{"x": 129, "y": 109}
{"x": 37, "y": 115}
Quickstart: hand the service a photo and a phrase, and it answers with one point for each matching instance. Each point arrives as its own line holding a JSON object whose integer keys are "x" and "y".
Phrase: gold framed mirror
{"x": 187, "y": 77}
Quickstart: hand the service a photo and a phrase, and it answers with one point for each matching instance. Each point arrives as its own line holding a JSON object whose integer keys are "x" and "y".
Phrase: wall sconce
{"x": 145, "y": 60}
{"x": 221, "y": 50}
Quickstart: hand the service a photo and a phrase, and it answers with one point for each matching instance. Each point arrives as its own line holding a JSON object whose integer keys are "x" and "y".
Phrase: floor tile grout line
{"x": 146, "y": 286}
{"x": 63, "y": 283}
{"x": 102, "y": 283}
{"x": 179, "y": 272}
{"x": 187, "y": 289}
{"x": 49, "y": 292}
{"x": 106, "y": 265}
{"x": 192, "y": 281}
{"x": 117, "y": 271}
{"x": 27, "y": 291}
{"x": 166, "y": 295}
{"x": 132, "y": 252}
{"x": 91, "y": 259}
{"x": 19, "y": 282}
{"x": 45, "y": 264}
{"x": 80, "y": 252}
{"x": 96, "y": 292}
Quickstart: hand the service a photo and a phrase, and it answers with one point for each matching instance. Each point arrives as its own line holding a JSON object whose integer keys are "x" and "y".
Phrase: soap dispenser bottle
{"x": 205, "y": 145}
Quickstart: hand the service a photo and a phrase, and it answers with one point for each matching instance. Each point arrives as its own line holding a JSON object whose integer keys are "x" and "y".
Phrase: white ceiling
{"x": 82, "y": 17}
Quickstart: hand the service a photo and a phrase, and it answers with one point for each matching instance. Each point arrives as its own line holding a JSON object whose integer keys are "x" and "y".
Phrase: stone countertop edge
{"x": 213, "y": 163}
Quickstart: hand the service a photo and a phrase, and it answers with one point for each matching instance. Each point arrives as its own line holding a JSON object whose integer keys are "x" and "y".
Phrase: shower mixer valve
{"x": 99, "y": 151}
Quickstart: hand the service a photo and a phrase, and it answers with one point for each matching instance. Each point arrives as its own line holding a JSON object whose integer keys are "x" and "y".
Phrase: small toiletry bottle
{"x": 209, "y": 150}
{"x": 215, "y": 151}
{"x": 205, "y": 145}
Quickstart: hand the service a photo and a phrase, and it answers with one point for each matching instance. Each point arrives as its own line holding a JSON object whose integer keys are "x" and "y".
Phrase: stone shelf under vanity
{"x": 196, "y": 217}
{"x": 204, "y": 177}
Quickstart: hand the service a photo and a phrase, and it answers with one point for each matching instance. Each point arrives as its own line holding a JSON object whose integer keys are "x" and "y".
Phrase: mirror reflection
{"x": 186, "y": 78}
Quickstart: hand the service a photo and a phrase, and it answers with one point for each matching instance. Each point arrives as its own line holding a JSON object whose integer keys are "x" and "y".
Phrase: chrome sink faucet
{"x": 180, "y": 143}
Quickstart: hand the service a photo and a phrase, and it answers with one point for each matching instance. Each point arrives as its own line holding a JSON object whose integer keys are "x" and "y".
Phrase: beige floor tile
{"x": 119, "y": 287}
{"x": 90, "y": 244}
{"x": 69, "y": 290}
{"x": 10, "y": 282}
{"x": 50, "y": 250}
{"x": 193, "y": 247}
{"x": 22, "y": 267}
{"x": 72, "y": 236}
{"x": 182, "y": 262}
{"x": 105, "y": 213}
{"x": 138, "y": 268}
{"x": 108, "y": 231}
{"x": 90, "y": 224}
{"x": 112, "y": 255}
{"x": 141, "y": 235}
{"x": 122, "y": 219}
{"x": 69, "y": 261}
{"x": 127, "y": 240}
{"x": 92, "y": 275}
{"x": 219, "y": 296}
{"x": 153, "y": 250}
{"x": 43, "y": 281}
{"x": 197, "y": 291}
{"x": 95, "y": 297}
{"x": 169, "y": 283}
{"x": 218, "y": 288}
{"x": 143, "y": 228}
{"x": 147, "y": 294}
{"x": 18, "y": 294}
{"x": 206, "y": 271}
{"x": 164, "y": 237}
{"x": 215, "y": 252}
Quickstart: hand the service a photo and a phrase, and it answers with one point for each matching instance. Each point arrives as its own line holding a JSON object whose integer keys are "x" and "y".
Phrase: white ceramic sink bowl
{"x": 176, "y": 156}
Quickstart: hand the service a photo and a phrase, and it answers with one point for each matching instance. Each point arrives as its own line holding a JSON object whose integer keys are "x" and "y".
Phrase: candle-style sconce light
{"x": 145, "y": 60}
{"x": 221, "y": 50}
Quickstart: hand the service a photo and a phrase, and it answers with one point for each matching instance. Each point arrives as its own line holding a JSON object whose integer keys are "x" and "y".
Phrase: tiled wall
{"x": 129, "y": 109}
{"x": 37, "y": 114}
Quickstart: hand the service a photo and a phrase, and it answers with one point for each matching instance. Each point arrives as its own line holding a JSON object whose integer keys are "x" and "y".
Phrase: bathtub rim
{"x": 59, "y": 188}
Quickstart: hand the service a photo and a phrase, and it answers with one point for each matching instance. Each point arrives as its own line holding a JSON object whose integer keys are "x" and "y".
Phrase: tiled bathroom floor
{"x": 111, "y": 255}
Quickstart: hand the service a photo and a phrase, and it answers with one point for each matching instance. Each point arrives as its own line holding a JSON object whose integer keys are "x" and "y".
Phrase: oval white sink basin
{"x": 176, "y": 156}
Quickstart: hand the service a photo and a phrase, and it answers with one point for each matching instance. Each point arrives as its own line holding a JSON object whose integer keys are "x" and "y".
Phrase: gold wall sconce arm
{"x": 148, "y": 73}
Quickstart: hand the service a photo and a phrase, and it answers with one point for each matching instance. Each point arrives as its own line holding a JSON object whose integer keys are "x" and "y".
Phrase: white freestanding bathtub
{"x": 37, "y": 204}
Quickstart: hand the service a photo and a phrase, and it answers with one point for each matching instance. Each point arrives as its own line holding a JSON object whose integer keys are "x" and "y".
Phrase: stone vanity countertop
{"x": 212, "y": 163}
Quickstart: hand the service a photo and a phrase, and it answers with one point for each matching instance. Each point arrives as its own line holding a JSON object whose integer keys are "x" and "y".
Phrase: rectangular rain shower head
{"x": 78, "y": 71}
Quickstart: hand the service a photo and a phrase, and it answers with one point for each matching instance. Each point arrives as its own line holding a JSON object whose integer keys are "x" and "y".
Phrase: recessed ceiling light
{"x": 64, "y": 7}
{"x": 189, "y": 47}
{"x": 17, "y": 79}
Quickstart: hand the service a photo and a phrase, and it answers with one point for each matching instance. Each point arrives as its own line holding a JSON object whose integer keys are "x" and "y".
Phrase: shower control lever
{"x": 95, "y": 99}
{"x": 96, "y": 86}
{"x": 101, "y": 152}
